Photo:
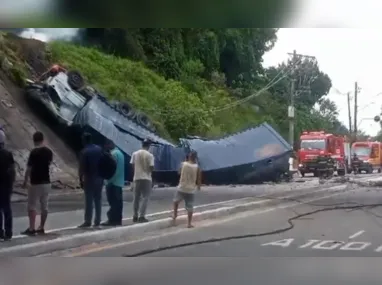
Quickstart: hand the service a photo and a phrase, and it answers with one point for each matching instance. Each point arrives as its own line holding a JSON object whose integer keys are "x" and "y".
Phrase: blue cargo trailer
{"x": 253, "y": 156}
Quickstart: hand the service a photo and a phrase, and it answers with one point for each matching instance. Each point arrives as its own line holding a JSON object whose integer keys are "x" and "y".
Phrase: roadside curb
{"x": 55, "y": 196}
{"x": 136, "y": 230}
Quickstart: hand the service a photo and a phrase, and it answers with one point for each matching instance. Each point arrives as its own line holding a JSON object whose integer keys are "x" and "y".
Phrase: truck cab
{"x": 368, "y": 155}
{"x": 316, "y": 144}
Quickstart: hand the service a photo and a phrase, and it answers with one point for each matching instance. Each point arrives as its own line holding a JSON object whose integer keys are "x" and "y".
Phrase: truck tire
{"x": 369, "y": 170}
{"x": 379, "y": 170}
{"x": 341, "y": 172}
{"x": 302, "y": 174}
{"x": 143, "y": 120}
{"x": 75, "y": 80}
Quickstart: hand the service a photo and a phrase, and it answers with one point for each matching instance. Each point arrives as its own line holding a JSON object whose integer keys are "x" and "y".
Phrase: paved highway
{"x": 350, "y": 232}
{"x": 67, "y": 211}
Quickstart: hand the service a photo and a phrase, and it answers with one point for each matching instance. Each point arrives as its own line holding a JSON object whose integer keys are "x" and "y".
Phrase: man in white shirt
{"x": 190, "y": 181}
{"x": 143, "y": 165}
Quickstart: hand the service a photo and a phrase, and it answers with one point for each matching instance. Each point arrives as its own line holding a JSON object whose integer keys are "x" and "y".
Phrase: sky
{"x": 348, "y": 49}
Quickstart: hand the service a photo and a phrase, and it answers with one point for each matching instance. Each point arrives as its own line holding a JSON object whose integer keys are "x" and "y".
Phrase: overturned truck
{"x": 253, "y": 156}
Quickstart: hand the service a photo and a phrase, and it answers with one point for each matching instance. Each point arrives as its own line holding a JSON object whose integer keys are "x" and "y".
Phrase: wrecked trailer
{"x": 253, "y": 156}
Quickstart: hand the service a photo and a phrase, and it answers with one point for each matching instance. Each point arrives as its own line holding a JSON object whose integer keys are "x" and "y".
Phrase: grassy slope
{"x": 174, "y": 109}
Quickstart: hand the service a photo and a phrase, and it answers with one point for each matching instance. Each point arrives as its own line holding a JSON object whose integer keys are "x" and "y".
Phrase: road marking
{"x": 324, "y": 245}
{"x": 379, "y": 249}
{"x": 357, "y": 234}
{"x": 283, "y": 243}
{"x": 355, "y": 245}
{"x": 148, "y": 216}
{"x": 196, "y": 207}
{"x": 154, "y": 237}
{"x": 309, "y": 243}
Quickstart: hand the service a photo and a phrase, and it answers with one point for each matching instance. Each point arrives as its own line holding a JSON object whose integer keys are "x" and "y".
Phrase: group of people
{"x": 94, "y": 163}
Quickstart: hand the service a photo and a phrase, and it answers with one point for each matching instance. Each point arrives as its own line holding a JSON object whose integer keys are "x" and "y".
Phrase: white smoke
{"x": 49, "y": 34}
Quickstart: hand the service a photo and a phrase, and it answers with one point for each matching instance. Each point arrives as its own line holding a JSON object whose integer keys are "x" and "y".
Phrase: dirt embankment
{"x": 17, "y": 118}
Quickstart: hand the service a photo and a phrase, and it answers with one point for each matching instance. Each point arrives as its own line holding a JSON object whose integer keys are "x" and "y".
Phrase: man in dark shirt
{"x": 38, "y": 173}
{"x": 90, "y": 180}
{"x": 7, "y": 178}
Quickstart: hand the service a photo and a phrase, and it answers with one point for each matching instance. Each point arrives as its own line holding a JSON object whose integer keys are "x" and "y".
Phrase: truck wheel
{"x": 370, "y": 170}
{"x": 302, "y": 174}
{"x": 75, "y": 80}
{"x": 379, "y": 170}
{"x": 341, "y": 172}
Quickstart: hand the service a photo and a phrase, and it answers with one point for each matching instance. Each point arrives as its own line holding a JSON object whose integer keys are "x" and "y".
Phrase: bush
{"x": 175, "y": 110}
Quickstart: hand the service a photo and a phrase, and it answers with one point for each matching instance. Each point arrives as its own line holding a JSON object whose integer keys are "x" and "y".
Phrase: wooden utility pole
{"x": 355, "y": 111}
{"x": 349, "y": 114}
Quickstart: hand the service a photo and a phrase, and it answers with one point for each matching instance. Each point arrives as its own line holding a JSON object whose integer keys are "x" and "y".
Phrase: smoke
{"x": 49, "y": 34}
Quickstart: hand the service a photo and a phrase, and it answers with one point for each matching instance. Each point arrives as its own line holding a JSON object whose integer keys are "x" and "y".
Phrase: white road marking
{"x": 379, "y": 249}
{"x": 196, "y": 207}
{"x": 148, "y": 216}
{"x": 114, "y": 245}
{"x": 327, "y": 245}
{"x": 355, "y": 246}
{"x": 283, "y": 243}
{"x": 357, "y": 234}
{"x": 309, "y": 243}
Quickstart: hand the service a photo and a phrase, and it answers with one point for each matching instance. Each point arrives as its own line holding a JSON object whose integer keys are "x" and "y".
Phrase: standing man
{"x": 190, "y": 181}
{"x": 38, "y": 174}
{"x": 143, "y": 165}
{"x": 90, "y": 180}
{"x": 7, "y": 178}
{"x": 114, "y": 187}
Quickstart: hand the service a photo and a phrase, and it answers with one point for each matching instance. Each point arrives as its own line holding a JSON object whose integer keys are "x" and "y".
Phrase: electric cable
{"x": 238, "y": 237}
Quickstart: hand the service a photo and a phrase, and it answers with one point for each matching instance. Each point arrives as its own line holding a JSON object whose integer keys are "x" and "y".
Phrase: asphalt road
{"x": 335, "y": 234}
{"x": 191, "y": 271}
{"x": 328, "y": 233}
{"x": 68, "y": 211}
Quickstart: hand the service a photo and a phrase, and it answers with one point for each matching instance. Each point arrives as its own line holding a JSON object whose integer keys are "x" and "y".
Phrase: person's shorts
{"x": 38, "y": 194}
{"x": 188, "y": 199}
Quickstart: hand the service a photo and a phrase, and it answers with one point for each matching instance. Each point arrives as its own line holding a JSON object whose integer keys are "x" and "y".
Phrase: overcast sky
{"x": 346, "y": 54}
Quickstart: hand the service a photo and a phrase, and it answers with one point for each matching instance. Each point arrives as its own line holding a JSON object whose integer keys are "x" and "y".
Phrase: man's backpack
{"x": 107, "y": 165}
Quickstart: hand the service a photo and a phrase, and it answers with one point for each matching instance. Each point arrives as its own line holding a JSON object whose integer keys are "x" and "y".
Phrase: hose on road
{"x": 278, "y": 231}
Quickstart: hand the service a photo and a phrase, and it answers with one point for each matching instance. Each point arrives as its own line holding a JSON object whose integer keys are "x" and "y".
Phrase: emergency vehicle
{"x": 318, "y": 143}
{"x": 369, "y": 156}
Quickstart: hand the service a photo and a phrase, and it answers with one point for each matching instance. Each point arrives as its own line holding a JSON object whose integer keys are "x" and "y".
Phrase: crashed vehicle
{"x": 253, "y": 156}
{"x": 62, "y": 94}
{"x": 59, "y": 93}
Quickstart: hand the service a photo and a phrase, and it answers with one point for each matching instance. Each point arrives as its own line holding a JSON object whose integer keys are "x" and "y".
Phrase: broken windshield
{"x": 313, "y": 144}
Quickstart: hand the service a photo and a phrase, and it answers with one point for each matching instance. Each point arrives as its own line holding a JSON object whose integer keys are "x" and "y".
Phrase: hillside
{"x": 199, "y": 85}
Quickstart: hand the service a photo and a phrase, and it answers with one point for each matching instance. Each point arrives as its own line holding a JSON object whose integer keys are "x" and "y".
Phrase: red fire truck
{"x": 316, "y": 143}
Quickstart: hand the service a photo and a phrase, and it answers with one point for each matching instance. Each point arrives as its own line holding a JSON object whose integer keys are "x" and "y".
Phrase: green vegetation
{"x": 205, "y": 82}
{"x": 174, "y": 109}
{"x": 11, "y": 62}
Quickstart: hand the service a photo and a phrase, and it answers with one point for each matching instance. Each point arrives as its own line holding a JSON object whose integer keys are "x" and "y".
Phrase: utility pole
{"x": 349, "y": 114}
{"x": 355, "y": 111}
{"x": 303, "y": 86}
{"x": 291, "y": 112}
